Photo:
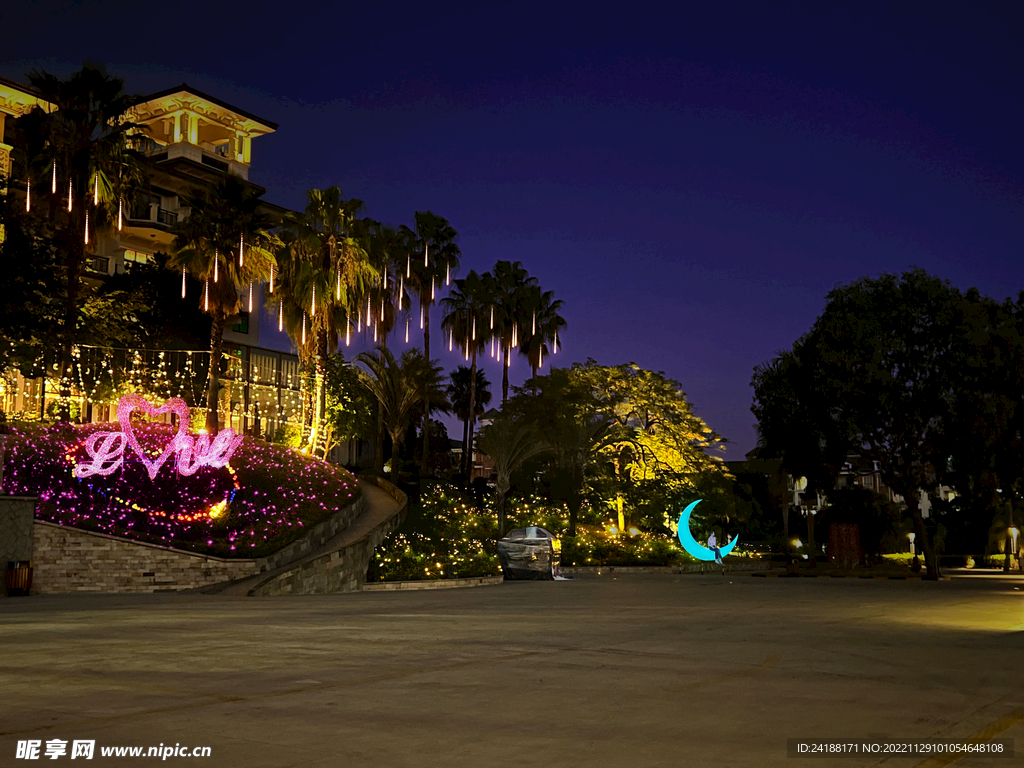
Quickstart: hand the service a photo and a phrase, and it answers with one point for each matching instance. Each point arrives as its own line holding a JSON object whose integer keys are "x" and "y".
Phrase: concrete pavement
{"x": 635, "y": 670}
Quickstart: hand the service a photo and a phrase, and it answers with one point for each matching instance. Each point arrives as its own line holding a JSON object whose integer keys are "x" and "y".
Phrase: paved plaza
{"x": 638, "y": 670}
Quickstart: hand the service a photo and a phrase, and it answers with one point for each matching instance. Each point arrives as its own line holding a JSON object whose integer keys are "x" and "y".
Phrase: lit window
{"x": 137, "y": 257}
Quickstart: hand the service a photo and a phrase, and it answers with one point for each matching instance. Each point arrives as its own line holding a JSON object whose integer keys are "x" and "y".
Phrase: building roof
{"x": 186, "y": 88}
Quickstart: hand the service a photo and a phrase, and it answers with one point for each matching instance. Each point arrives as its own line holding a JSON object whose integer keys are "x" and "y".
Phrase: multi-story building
{"x": 190, "y": 139}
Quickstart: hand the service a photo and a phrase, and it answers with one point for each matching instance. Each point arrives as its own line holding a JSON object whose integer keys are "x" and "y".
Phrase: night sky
{"x": 691, "y": 179}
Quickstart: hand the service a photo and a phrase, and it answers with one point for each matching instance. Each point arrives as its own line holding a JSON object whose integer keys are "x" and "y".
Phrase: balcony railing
{"x": 156, "y": 215}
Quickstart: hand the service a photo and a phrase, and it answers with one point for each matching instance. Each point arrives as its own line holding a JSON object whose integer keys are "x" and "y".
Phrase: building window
{"x": 99, "y": 264}
{"x": 137, "y": 257}
{"x": 242, "y": 326}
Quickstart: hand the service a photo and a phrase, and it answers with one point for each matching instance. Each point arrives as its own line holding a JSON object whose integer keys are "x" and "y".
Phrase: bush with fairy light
{"x": 263, "y": 499}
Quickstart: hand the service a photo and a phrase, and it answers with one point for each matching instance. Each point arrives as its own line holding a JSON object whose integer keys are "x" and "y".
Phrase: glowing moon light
{"x": 690, "y": 544}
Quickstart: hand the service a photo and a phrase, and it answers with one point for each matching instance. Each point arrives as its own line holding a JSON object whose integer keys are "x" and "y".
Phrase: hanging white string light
{"x": 280, "y": 315}
{"x": 312, "y": 303}
{"x": 401, "y": 291}
{"x": 474, "y": 327}
{"x": 451, "y": 337}
{"x": 540, "y": 357}
{"x": 120, "y": 213}
{"x": 375, "y": 326}
{"x": 251, "y": 284}
{"x": 53, "y": 184}
{"x": 369, "y": 319}
{"x": 534, "y": 332}
{"x": 492, "y": 317}
{"x": 28, "y": 194}
{"x": 408, "y": 265}
{"x": 348, "y": 331}
{"x": 447, "y": 273}
{"x": 422, "y": 316}
{"x": 554, "y": 351}
{"x": 69, "y": 195}
{"x": 86, "y": 227}
{"x": 337, "y": 295}
{"x": 359, "y": 321}
{"x": 183, "y": 282}
{"x": 426, "y": 250}
{"x": 216, "y": 264}
{"x": 272, "y": 271}
{"x": 303, "y": 327}
{"x": 432, "y": 289}
{"x": 407, "y": 330}
{"x": 241, "y": 250}
{"x": 96, "y": 188}
{"x": 206, "y": 299}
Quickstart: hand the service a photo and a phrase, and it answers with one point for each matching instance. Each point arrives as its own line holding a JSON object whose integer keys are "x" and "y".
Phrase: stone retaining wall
{"x": 343, "y": 570}
{"x": 316, "y": 536}
{"x": 477, "y": 581}
{"x": 73, "y": 560}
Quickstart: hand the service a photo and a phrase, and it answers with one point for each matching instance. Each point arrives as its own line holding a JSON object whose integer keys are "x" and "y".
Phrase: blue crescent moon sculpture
{"x": 690, "y": 544}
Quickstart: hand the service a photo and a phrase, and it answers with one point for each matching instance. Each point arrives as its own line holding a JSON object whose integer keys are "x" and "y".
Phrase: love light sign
{"x": 106, "y": 449}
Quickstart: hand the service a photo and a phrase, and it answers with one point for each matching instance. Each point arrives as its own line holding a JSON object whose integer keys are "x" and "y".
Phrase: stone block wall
{"x": 72, "y": 560}
{"x": 343, "y": 570}
{"x": 16, "y": 515}
{"x": 316, "y": 536}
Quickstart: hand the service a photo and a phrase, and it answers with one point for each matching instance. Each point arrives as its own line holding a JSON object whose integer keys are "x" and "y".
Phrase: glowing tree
{"x": 539, "y": 328}
{"x": 225, "y": 243}
{"x": 511, "y": 289}
{"x": 467, "y": 312}
{"x": 324, "y": 274}
{"x": 82, "y": 172}
{"x": 432, "y": 256}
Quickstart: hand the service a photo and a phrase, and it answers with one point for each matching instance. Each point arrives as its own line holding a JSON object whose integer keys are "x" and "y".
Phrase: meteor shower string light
{"x": 534, "y": 332}
{"x": 120, "y": 212}
{"x": 53, "y": 184}
{"x": 348, "y": 331}
{"x": 251, "y": 284}
{"x": 492, "y": 317}
{"x": 432, "y": 284}
{"x": 554, "y": 350}
{"x": 474, "y": 327}
{"x": 28, "y": 194}
{"x": 422, "y": 316}
{"x": 69, "y": 195}
{"x": 303, "y": 327}
{"x": 280, "y": 315}
{"x": 451, "y": 336}
{"x": 96, "y": 188}
{"x": 359, "y": 321}
{"x": 216, "y": 264}
{"x": 407, "y": 330}
{"x": 312, "y": 303}
{"x": 183, "y": 282}
{"x": 337, "y": 292}
{"x": 241, "y": 250}
{"x": 447, "y": 273}
{"x": 401, "y": 291}
{"x": 408, "y": 264}
{"x": 375, "y": 327}
{"x": 206, "y": 296}
{"x": 272, "y": 270}
{"x": 86, "y": 227}
{"x": 426, "y": 250}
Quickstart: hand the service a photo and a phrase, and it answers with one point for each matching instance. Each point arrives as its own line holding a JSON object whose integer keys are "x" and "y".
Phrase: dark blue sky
{"x": 691, "y": 181}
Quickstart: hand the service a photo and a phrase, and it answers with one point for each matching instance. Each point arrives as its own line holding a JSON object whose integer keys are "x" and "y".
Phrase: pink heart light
{"x": 175, "y": 405}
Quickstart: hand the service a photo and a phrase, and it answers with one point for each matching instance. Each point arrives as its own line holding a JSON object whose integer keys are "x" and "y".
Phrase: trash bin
{"x": 529, "y": 553}
{"x": 18, "y": 578}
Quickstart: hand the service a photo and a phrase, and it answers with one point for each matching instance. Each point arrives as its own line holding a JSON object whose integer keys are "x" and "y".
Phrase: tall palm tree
{"x": 540, "y": 327}
{"x": 511, "y": 289}
{"x": 458, "y": 396}
{"x": 510, "y": 443}
{"x": 401, "y": 388}
{"x": 466, "y": 316}
{"x": 83, "y": 153}
{"x": 432, "y": 259}
{"x": 325, "y": 272}
{"x": 225, "y": 242}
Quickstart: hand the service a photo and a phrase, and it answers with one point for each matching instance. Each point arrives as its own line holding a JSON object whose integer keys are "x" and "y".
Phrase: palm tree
{"x": 324, "y": 274}
{"x": 225, "y": 242}
{"x": 401, "y": 388}
{"x": 431, "y": 255}
{"x": 510, "y": 443}
{"x": 83, "y": 152}
{"x": 540, "y": 327}
{"x": 458, "y": 396}
{"x": 466, "y": 316}
{"x": 511, "y": 288}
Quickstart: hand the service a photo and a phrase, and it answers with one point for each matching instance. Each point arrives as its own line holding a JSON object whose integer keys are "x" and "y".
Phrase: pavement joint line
{"x": 990, "y": 731}
{"x": 271, "y": 694}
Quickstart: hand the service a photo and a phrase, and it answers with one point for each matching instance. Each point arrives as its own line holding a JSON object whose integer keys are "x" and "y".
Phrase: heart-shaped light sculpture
{"x": 106, "y": 449}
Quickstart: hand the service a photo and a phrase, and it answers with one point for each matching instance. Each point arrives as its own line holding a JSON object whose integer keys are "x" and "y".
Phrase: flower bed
{"x": 262, "y": 500}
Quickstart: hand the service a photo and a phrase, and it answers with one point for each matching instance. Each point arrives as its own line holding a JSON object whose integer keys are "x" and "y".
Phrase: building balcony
{"x": 154, "y": 215}
{"x": 216, "y": 157}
